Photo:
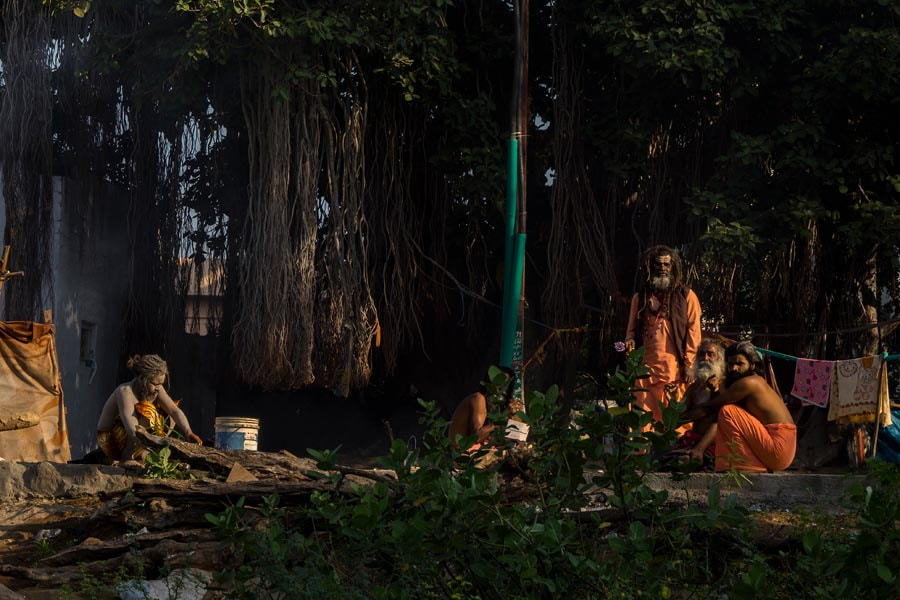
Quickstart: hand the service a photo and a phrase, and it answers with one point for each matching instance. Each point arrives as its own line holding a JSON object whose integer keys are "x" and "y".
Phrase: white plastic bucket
{"x": 236, "y": 433}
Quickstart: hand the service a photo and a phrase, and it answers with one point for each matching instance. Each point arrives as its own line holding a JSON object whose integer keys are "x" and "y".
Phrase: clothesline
{"x": 813, "y": 333}
{"x": 884, "y": 356}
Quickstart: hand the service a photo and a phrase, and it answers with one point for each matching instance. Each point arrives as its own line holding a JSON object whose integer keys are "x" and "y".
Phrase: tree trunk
{"x": 868, "y": 305}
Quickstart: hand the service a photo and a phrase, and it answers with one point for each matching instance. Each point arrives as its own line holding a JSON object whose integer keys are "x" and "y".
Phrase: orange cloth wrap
{"x": 156, "y": 422}
{"x": 660, "y": 353}
{"x": 113, "y": 442}
{"x": 746, "y": 444}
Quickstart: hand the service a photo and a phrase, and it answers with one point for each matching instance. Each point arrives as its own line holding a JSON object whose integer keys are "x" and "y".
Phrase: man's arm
{"x": 697, "y": 398}
{"x": 738, "y": 391}
{"x": 125, "y": 403}
{"x": 632, "y": 324}
{"x": 697, "y": 451}
{"x": 479, "y": 422}
{"x": 694, "y": 335}
{"x": 176, "y": 413}
{"x": 693, "y": 413}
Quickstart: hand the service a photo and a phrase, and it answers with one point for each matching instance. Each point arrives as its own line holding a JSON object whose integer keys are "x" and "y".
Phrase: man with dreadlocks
{"x": 133, "y": 405}
{"x": 755, "y": 429}
{"x": 665, "y": 320}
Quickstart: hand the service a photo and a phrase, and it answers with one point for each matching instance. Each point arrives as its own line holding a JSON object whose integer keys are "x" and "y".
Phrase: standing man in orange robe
{"x": 665, "y": 320}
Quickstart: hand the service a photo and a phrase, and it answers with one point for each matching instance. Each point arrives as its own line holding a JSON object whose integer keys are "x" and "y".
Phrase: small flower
{"x": 619, "y": 346}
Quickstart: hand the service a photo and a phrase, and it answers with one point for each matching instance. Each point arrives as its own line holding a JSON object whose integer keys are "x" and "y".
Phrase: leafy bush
{"x": 158, "y": 466}
{"x": 446, "y": 529}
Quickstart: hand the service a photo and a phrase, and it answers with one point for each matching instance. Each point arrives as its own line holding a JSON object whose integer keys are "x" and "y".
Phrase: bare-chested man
{"x": 755, "y": 429}
{"x": 708, "y": 375}
{"x": 470, "y": 417}
{"x": 133, "y": 405}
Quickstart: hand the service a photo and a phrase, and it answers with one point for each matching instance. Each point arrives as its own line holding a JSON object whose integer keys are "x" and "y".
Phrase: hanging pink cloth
{"x": 812, "y": 382}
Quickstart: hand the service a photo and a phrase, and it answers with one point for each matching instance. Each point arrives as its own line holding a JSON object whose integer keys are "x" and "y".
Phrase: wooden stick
{"x": 882, "y": 381}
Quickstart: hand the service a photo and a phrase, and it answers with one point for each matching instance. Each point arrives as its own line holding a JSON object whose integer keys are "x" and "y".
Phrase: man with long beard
{"x": 133, "y": 405}
{"x": 665, "y": 320}
{"x": 708, "y": 374}
{"x": 755, "y": 429}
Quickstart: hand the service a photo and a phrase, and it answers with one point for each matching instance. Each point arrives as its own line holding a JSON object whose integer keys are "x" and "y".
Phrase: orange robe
{"x": 660, "y": 354}
{"x": 746, "y": 444}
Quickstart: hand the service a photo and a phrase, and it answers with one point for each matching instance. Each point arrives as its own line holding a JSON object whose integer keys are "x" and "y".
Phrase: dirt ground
{"x": 81, "y": 531}
{"x": 74, "y": 548}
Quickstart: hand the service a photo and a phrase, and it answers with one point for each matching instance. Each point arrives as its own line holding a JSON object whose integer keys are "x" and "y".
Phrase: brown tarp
{"x": 29, "y": 382}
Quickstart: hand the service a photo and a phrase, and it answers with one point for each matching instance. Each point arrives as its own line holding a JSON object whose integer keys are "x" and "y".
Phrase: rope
{"x": 584, "y": 329}
{"x": 538, "y": 357}
{"x": 819, "y": 333}
{"x": 884, "y": 356}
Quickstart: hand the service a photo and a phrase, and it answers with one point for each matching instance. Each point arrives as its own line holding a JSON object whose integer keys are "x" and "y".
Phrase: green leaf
{"x": 811, "y": 541}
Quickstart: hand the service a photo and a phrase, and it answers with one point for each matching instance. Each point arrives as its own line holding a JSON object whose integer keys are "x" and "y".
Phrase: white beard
{"x": 660, "y": 283}
{"x": 703, "y": 370}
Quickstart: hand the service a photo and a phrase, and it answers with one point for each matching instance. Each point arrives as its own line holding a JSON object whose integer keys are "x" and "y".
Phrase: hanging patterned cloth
{"x": 859, "y": 392}
{"x": 812, "y": 382}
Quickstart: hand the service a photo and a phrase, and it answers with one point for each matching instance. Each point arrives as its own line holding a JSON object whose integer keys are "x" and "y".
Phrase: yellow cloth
{"x": 29, "y": 382}
{"x": 859, "y": 392}
{"x": 113, "y": 442}
{"x": 156, "y": 422}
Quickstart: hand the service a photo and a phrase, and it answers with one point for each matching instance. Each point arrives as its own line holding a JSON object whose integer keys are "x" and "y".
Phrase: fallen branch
{"x": 263, "y": 465}
{"x": 281, "y": 466}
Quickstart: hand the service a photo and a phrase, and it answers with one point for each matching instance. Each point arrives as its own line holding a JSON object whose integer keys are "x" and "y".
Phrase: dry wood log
{"x": 167, "y": 552}
{"x": 191, "y": 490}
{"x": 385, "y": 475}
{"x": 264, "y": 465}
{"x": 90, "y": 552}
{"x": 281, "y": 466}
{"x": 58, "y": 576}
{"x": 17, "y": 420}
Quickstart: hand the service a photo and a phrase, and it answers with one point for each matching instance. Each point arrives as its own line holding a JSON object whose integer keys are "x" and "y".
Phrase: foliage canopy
{"x": 757, "y": 137}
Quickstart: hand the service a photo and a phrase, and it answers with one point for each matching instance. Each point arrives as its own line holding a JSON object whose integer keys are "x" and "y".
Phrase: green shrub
{"x": 446, "y": 529}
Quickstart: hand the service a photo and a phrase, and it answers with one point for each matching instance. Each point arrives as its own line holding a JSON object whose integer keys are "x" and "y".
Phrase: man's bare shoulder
{"x": 746, "y": 384}
{"x": 123, "y": 390}
{"x": 754, "y": 384}
{"x": 475, "y": 397}
{"x": 752, "y": 380}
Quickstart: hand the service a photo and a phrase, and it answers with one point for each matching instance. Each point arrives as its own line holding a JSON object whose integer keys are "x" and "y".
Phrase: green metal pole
{"x": 512, "y": 319}
{"x": 511, "y": 297}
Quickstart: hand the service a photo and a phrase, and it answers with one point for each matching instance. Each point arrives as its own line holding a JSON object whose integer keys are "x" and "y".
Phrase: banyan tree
{"x": 343, "y": 162}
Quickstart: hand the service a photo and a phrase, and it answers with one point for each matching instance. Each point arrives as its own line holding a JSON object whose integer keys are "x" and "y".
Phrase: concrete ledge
{"x": 52, "y": 480}
{"x": 771, "y": 490}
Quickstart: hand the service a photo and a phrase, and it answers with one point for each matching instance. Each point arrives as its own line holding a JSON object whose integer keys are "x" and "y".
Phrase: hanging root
{"x": 26, "y": 154}
{"x": 305, "y": 312}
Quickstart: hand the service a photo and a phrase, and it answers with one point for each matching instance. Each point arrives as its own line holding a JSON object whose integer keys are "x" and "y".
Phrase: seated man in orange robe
{"x": 665, "y": 320}
{"x": 755, "y": 429}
